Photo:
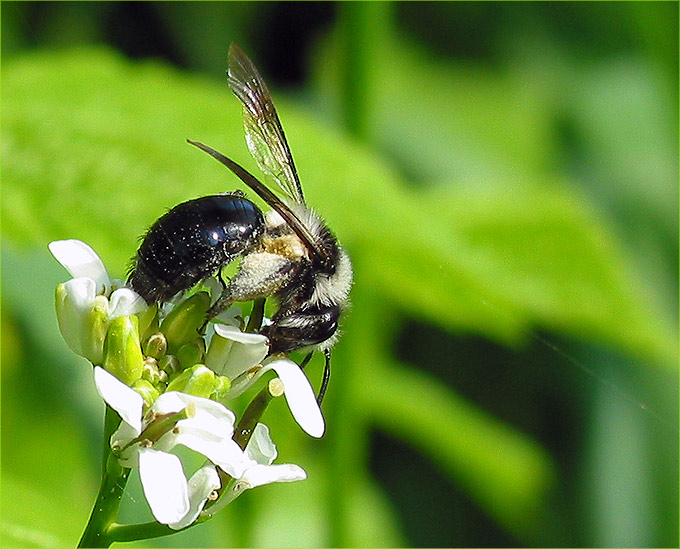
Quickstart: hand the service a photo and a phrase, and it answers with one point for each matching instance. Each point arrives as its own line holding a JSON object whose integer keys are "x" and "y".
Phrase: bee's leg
{"x": 326, "y": 377}
{"x": 326, "y": 373}
{"x": 259, "y": 275}
{"x": 222, "y": 303}
{"x": 306, "y": 360}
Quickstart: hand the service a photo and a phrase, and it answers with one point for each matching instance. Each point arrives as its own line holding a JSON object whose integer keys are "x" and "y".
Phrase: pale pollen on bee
{"x": 289, "y": 246}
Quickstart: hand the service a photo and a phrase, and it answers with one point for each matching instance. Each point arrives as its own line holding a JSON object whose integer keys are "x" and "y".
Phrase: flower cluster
{"x": 169, "y": 385}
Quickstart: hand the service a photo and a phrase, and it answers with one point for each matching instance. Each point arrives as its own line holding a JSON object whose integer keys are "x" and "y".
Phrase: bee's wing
{"x": 319, "y": 255}
{"x": 264, "y": 134}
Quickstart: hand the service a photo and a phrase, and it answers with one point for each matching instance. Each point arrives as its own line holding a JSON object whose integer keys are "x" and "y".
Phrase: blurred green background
{"x": 505, "y": 178}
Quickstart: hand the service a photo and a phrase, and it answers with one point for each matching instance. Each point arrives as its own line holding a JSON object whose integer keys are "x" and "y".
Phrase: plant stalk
{"x": 114, "y": 479}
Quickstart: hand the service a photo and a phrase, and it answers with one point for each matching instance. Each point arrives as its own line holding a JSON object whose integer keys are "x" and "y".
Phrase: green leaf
{"x": 550, "y": 255}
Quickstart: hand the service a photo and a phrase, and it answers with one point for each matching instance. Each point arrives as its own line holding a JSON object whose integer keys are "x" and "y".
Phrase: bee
{"x": 289, "y": 253}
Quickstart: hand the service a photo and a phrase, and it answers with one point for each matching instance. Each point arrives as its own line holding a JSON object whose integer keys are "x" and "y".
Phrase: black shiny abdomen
{"x": 191, "y": 241}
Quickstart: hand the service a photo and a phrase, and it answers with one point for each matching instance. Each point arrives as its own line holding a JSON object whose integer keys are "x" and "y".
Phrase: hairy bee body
{"x": 191, "y": 241}
{"x": 288, "y": 254}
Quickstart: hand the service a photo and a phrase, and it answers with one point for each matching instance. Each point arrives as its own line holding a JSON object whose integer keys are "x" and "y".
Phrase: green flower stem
{"x": 252, "y": 416}
{"x": 114, "y": 479}
{"x": 101, "y": 529}
{"x": 256, "y": 316}
{"x": 146, "y": 530}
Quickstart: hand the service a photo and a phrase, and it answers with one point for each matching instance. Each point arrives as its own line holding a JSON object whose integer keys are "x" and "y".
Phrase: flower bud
{"x": 197, "y": 380}
{"x": 222, "y": 386}
{"x": 182, "y": 323}
{"x": 148, "y": 322}
{"x": 192, "y": 353}
{"x": 169, "y": 364}
{"x": 150, "y": 371}
{"x": 156, "y": 346}
{"x": 96, "y": 324}
{"x": 122, "y": 353}
{"x": 147, "y": 391}
{"x": 82, "y": 318}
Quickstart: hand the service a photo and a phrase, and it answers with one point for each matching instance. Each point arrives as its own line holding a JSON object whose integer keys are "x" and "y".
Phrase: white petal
{"x": 258, "y": 475}
{"x": 243, "y": 357}
{"x": 73, "y": 299}
{"x": 125, "y": 302}
{"x": 165, "y": 485}
{"x": 223, "y": 452}
{"x": 300, "y": 396}
{"x": 168, "y": 403}
{"x": 233, "y": 333}
{"x": 81, "y": 261}
{"x": 233, "y": 352}
{"x": 81, "y": 293}
{"x": 207, "y": 414}
{"x": 261, "y": 448}
{"x": 121, "y": 398}
{"x": 201, "y": 484}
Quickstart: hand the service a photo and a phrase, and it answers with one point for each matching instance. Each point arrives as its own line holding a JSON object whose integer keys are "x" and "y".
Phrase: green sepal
{"x": 183, "y": 322}
{"x": 192, "y": 353}
{"x": 122, "y": 353}
{"x": 198, "y": 380}
{"x": 96, "y": 324}
{"x": 148, "y": 321}
{"x": 147, "y": 391}
{"x": 218, "y": 352}
{"x": 69, "y": 318}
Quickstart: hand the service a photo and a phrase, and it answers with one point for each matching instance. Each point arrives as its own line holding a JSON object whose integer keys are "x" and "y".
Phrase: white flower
{"x": 299, "y": 395}
{"x": 81, "y": 261}
{"x": 258, "y": 469}
{"x": 260, "y": 453}
{"x": 145, "y": 440}
{"x": 201, "y": 486}
{"x": 85, "y": 304}
{"x": 233, "y": 352}
{"x": 238, "y": 355}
